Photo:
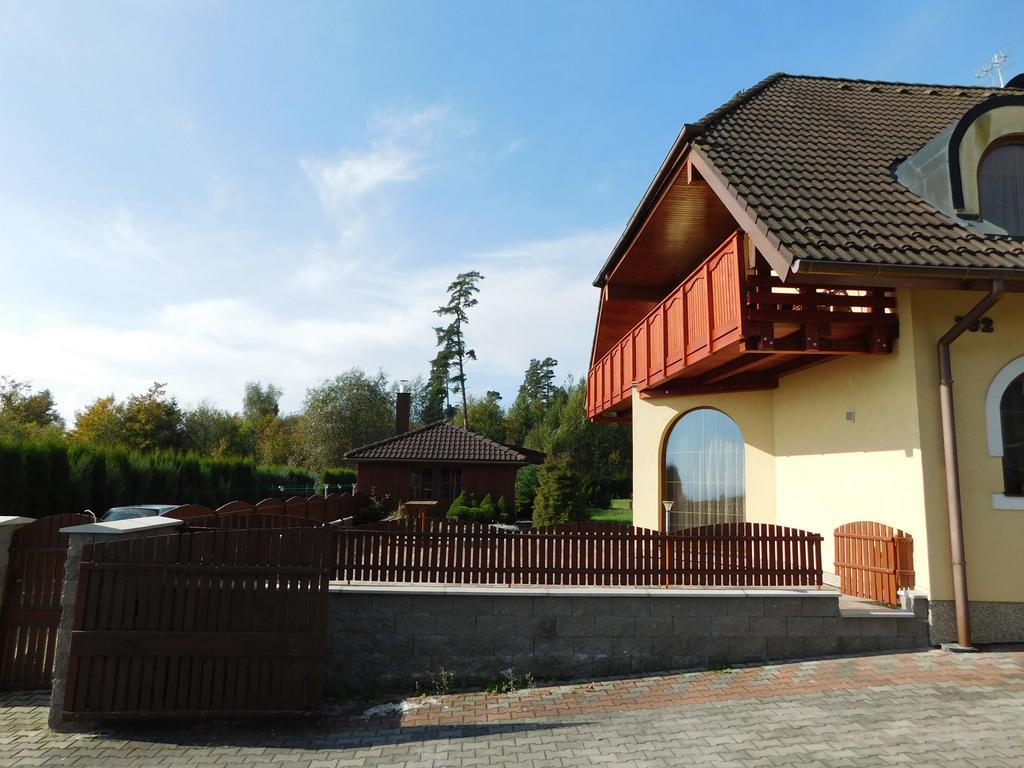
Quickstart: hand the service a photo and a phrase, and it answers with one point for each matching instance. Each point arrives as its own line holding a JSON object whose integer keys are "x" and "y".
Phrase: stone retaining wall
{"x": 990, "y": 622}
{"x": 386, "y": 638}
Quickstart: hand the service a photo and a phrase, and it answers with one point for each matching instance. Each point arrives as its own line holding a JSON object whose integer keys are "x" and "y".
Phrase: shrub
{"x": 560, "y": 497}
{"x": 502, "y": 508}
{"x": 487, "y": 512}
{"x": 334, "y": 476}
{"x": 462, "y": 506}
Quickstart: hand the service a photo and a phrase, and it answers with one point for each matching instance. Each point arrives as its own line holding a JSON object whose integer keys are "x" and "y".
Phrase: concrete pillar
{"x": 78, "y": 537}
{"x": 8, "y": 525}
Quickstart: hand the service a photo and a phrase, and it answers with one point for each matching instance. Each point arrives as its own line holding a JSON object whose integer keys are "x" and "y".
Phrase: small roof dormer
{"x": 973, "y": 171}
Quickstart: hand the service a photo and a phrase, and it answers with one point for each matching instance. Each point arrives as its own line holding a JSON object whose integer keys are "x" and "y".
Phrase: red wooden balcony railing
{"x": 699, "y": 317}
{"x": 721, "y": 323}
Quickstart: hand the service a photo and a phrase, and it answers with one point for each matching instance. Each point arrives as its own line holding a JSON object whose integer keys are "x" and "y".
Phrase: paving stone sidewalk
{"x": 927, "y": 708}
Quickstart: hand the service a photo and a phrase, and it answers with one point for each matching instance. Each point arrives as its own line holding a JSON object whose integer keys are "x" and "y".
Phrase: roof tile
{"x": 446, "y": 442}
{"x": 813, "y": 157}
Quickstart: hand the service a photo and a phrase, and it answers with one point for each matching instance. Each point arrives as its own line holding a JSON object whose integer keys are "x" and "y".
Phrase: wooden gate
{"x": 31, "y": 601}
{"x": 874, "y": 561}
{"x": 206, "y": 623}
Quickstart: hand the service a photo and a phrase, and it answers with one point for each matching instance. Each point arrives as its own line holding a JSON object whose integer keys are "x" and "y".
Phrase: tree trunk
{"x": 462, "y": 390}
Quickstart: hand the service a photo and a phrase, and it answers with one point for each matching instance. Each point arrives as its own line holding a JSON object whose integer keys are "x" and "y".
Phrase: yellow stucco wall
{"x": 752, "y": 411}
{"x": 808, "y": 467}
{"x": 830, "y": 471}
{"x": 994, "y": 538}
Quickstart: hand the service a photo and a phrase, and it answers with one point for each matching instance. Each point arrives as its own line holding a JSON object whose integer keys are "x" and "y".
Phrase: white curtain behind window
{"x": 704, "y": 470}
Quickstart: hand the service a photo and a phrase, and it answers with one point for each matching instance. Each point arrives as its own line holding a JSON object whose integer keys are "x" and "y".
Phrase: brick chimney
{"x": 403, "y": 406}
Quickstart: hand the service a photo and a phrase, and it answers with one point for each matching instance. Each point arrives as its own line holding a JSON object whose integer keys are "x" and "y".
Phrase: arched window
{"x": 1004, "y": 414}
{"x": 1011, "y": 416}
{"x": 704, "y": 477}
{"x": 1001, "y": 187}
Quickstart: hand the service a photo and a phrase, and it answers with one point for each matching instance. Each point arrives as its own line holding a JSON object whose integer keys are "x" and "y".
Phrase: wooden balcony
{"x": 727, "y": 328}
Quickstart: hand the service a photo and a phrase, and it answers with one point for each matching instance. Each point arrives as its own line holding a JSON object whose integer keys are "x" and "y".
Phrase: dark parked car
{"x": 137, "y": 510}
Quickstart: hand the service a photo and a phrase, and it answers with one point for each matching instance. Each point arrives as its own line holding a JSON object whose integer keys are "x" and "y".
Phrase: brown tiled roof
{"x": 812, "y": 159}
{"x": 446, "y": 442}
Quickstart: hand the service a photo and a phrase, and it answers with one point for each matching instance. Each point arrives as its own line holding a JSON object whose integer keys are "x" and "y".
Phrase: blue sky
{"x": 211, "y": 193}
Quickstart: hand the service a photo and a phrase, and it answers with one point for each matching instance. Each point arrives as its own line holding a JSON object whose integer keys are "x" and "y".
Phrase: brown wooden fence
{"x": 205, "y": 623}
{"x": 31, "y": 601}
{"x": 296, "y": 512}
{"x": 874, "y": 561}
{"x": 733, "y": 554}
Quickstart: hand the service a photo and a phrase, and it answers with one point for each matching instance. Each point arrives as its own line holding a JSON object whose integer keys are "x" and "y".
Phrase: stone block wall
{"x": 387, "y": 638}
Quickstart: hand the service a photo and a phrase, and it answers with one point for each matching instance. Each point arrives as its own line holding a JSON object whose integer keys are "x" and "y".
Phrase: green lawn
{"x": 621, "y": 511}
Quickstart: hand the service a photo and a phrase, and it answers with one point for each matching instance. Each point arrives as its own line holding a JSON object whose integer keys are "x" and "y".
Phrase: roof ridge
{"x": 391, "y": 439}
{"x": 516, "y": 448}
{"x": 741, "y": 97}
{"x": 516, "y": 453}
{"x": 831, "y": 78}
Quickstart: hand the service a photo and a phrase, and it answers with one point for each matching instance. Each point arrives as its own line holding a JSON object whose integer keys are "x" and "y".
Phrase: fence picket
{"x": 733, "y": 554}
{"x": 873, "y": 561}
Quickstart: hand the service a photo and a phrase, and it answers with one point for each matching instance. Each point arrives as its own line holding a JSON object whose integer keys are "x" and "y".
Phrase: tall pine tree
{"x": 451, "y": 339}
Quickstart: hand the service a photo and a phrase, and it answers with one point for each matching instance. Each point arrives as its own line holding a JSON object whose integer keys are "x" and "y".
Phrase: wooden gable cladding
{"x": 687, "y": 222}
{"x": 724, "y": 328}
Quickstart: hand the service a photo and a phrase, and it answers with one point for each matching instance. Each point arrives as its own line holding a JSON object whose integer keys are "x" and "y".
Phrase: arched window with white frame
{"x": 1004, "y": 415}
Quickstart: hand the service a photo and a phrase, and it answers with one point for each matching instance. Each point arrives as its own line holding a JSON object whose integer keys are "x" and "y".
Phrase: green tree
{"x": 560, "y": 497}
{"x": 343, "y": 413}
{"x": 100, "y": 424}
{"x": 487, "y": 416}
{"x": 25, "y": 414}
{"x": 526, "y": 489}
{"x": 602, "y": 453}
{"x": 534, "y": 399}
{"x": 278, "y": 440}
{"x": 451, "y": 339}
{"x": 213, "y": 432}
{"x": 432, "y": 402}
{"x": 259, "y": 402}
{"x": 153, "y": 420}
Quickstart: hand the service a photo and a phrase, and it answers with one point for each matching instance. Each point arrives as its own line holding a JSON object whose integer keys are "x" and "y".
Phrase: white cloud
{"x": 536, "y": 301}
{"x": 124, "y": 236}
{"x": 109, "y": 300}
{"x": 398, "y": 147}
{"x": 357, "y": 190}
{"x": 353, "y": 175}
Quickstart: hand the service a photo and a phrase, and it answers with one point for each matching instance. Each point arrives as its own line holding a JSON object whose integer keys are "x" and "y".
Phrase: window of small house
{"x": 1011, "y": 417}
{"x": 1001, "y": 187}
{"x": 704, "y": 470}
{"x": 421, "y": 486}
{"x": 451, "y": 483}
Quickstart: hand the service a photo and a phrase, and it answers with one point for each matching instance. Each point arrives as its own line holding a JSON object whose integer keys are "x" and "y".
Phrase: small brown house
{"x": 439, "y": 461}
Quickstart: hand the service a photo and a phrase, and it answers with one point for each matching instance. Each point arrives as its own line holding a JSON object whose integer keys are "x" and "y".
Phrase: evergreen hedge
{"x": 343, "y": 476}
{"x": 52, "y": 478}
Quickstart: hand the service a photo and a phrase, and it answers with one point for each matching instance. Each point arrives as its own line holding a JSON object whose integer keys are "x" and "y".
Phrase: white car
{"x": 137, "y": 510}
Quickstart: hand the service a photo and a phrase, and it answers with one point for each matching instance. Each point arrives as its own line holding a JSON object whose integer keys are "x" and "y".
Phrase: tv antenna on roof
{"x": 993, "y": 70}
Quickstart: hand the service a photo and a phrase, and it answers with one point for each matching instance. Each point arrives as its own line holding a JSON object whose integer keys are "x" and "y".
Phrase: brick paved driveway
{"x": 922, "y": 708}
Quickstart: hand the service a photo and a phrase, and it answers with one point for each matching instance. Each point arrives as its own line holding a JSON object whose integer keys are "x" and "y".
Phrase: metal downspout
{"x": 956, "y": 526}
